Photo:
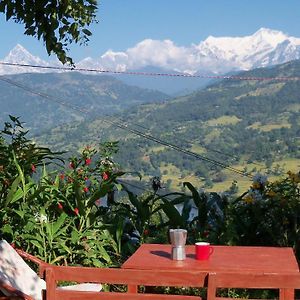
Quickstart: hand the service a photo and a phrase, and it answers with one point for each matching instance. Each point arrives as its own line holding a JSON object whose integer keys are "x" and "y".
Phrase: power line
{"x": 74, "y": 107}
{"x": 282, "y": 78}
{"x": 201, "y": 144}
{"x": 179, "y": 149}
{"x": 189, "y": 142}
{"x": 126, "y": 127}
{"x": 43, "y": 95}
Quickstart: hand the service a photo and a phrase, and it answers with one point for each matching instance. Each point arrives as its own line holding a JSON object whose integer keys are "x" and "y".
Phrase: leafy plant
{"x": 15, "y": 146}
{"x": 268, "y": 214}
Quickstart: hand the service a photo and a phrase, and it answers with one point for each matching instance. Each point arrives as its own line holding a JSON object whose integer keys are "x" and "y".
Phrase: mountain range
{"x": 214, "y": 55}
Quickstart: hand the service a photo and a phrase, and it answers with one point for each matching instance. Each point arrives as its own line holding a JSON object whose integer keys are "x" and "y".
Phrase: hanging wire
{"x": 125, "y": 126}
{"x": 248, "y": 78}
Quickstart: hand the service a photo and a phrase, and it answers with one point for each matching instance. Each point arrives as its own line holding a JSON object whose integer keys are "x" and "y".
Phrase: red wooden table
{"x": 224, "y": 259}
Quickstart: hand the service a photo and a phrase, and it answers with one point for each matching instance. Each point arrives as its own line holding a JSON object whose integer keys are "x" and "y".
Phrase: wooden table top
{"x": 224, "y": 259}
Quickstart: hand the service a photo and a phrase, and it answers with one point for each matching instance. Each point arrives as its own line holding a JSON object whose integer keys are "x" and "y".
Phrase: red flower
{"x": 146, "y": 232}
{"x": 33, "y": 168}
{"x": 59, "y": 205}
{"x": 85, "y": 189}
{"x": 62, "y": 176}
{"x": 13, "y": 245}
{"x": 71, "y": 165}
{"x": 105, "y": 176}
{"x": 76, "y": 211}
{"x": 88, "y": 161}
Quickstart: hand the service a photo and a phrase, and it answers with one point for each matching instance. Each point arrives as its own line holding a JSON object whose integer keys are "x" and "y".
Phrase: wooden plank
{"x": 51, "y": 285}
{"x": 286, "y": 282}
{"x": 132, "y": 288}
{"x": 119, "y": 296}
{"x": 250, "y": 280}
{"x": 129, "y": 277}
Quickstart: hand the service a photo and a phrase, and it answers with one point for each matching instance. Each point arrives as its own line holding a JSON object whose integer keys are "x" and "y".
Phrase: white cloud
{"x": 214, "y": 54}
{"x": 164, "y": 54}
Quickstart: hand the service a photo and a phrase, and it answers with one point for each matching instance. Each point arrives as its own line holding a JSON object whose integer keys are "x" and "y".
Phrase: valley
{"x": 236, "y": 128}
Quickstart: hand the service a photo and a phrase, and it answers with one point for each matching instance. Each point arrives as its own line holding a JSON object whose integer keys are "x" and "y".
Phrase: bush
{"x": 268, "y": 214}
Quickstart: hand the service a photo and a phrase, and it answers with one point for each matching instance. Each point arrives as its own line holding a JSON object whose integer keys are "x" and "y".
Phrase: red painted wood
{"x": 287, "y": 283}
{"x": 223, "y": 259}
{"x": 132, "y": 288}
{"x": 232, "y": 259}
{"x": 51, "y": 285}
{"x": 15, "y": 294}
{"x": 129, "y": 277}
{"x": 286, "y": 294}
{"x": 41, "y": 264}
{"x": 119, "y": 296}
{"x": 119, "y": 276}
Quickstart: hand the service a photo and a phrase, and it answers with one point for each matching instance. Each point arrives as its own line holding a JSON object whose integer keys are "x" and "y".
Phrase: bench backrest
{"x": 252, "y": 281}
{"x": 131, "y": 278}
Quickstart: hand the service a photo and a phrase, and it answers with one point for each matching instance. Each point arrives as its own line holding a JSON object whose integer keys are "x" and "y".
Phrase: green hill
{"x": 98, "y": 94}
{"x": 248, "y": 125}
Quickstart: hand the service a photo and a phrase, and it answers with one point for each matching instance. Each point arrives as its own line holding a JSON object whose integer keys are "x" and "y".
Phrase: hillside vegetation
{"x": 249, "y": 125}
{"x": 97, "y": 94}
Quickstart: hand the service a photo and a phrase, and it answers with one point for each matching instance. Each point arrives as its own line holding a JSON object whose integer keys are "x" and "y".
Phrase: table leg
{"x": 287, "y": 294}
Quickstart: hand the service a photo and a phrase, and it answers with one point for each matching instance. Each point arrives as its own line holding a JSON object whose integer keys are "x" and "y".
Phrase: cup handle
{"x": 211, "y": 250}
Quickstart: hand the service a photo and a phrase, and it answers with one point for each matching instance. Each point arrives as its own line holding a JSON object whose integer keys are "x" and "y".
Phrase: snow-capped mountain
{"x": 264, "y": 48}
{"x": 19, "y": 55}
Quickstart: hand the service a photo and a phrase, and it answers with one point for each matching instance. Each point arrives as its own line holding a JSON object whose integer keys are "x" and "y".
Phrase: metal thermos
{"x": 178, "y": 240}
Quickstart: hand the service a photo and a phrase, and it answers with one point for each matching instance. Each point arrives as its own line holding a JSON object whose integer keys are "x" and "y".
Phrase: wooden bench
{"x": 285, "y": 283}
{"x": 120, "y": 276}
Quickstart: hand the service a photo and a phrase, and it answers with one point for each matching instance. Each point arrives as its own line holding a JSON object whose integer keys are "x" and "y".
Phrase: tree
{"x": 58, "y": 23}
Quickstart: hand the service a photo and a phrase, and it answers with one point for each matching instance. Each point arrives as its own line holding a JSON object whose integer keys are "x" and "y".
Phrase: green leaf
{"x": 36, "y": 244}
{"x": 97, "y": 263}
{"x": 13, "y": 194}
{"x": 20, "y": 213}
{"x": 119, "y": 233}
{"x": 186, "y": 210}
{"x": 67, "y": 249}
{"x": 33, "y": 237}
{"x": 7, "y": 229}
{"x": 195, "y": 194}
{"x": 200, "y": 202}
{"x": 60, "y": 221}
{"x": 58, "y": 258}
{"x": 175, "y": 219}
{"x": 103, "y": 254}
{"x": 98, "y": 194}
{"x": 74, "y": 236}
{"x": 87, "y": 32}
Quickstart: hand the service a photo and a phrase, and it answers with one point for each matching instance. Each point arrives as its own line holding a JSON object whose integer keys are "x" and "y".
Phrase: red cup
{"x": 203, "y": 250}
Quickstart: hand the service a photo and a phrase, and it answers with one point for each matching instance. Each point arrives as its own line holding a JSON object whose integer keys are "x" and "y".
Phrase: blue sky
{"x": 123, "y": 23}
